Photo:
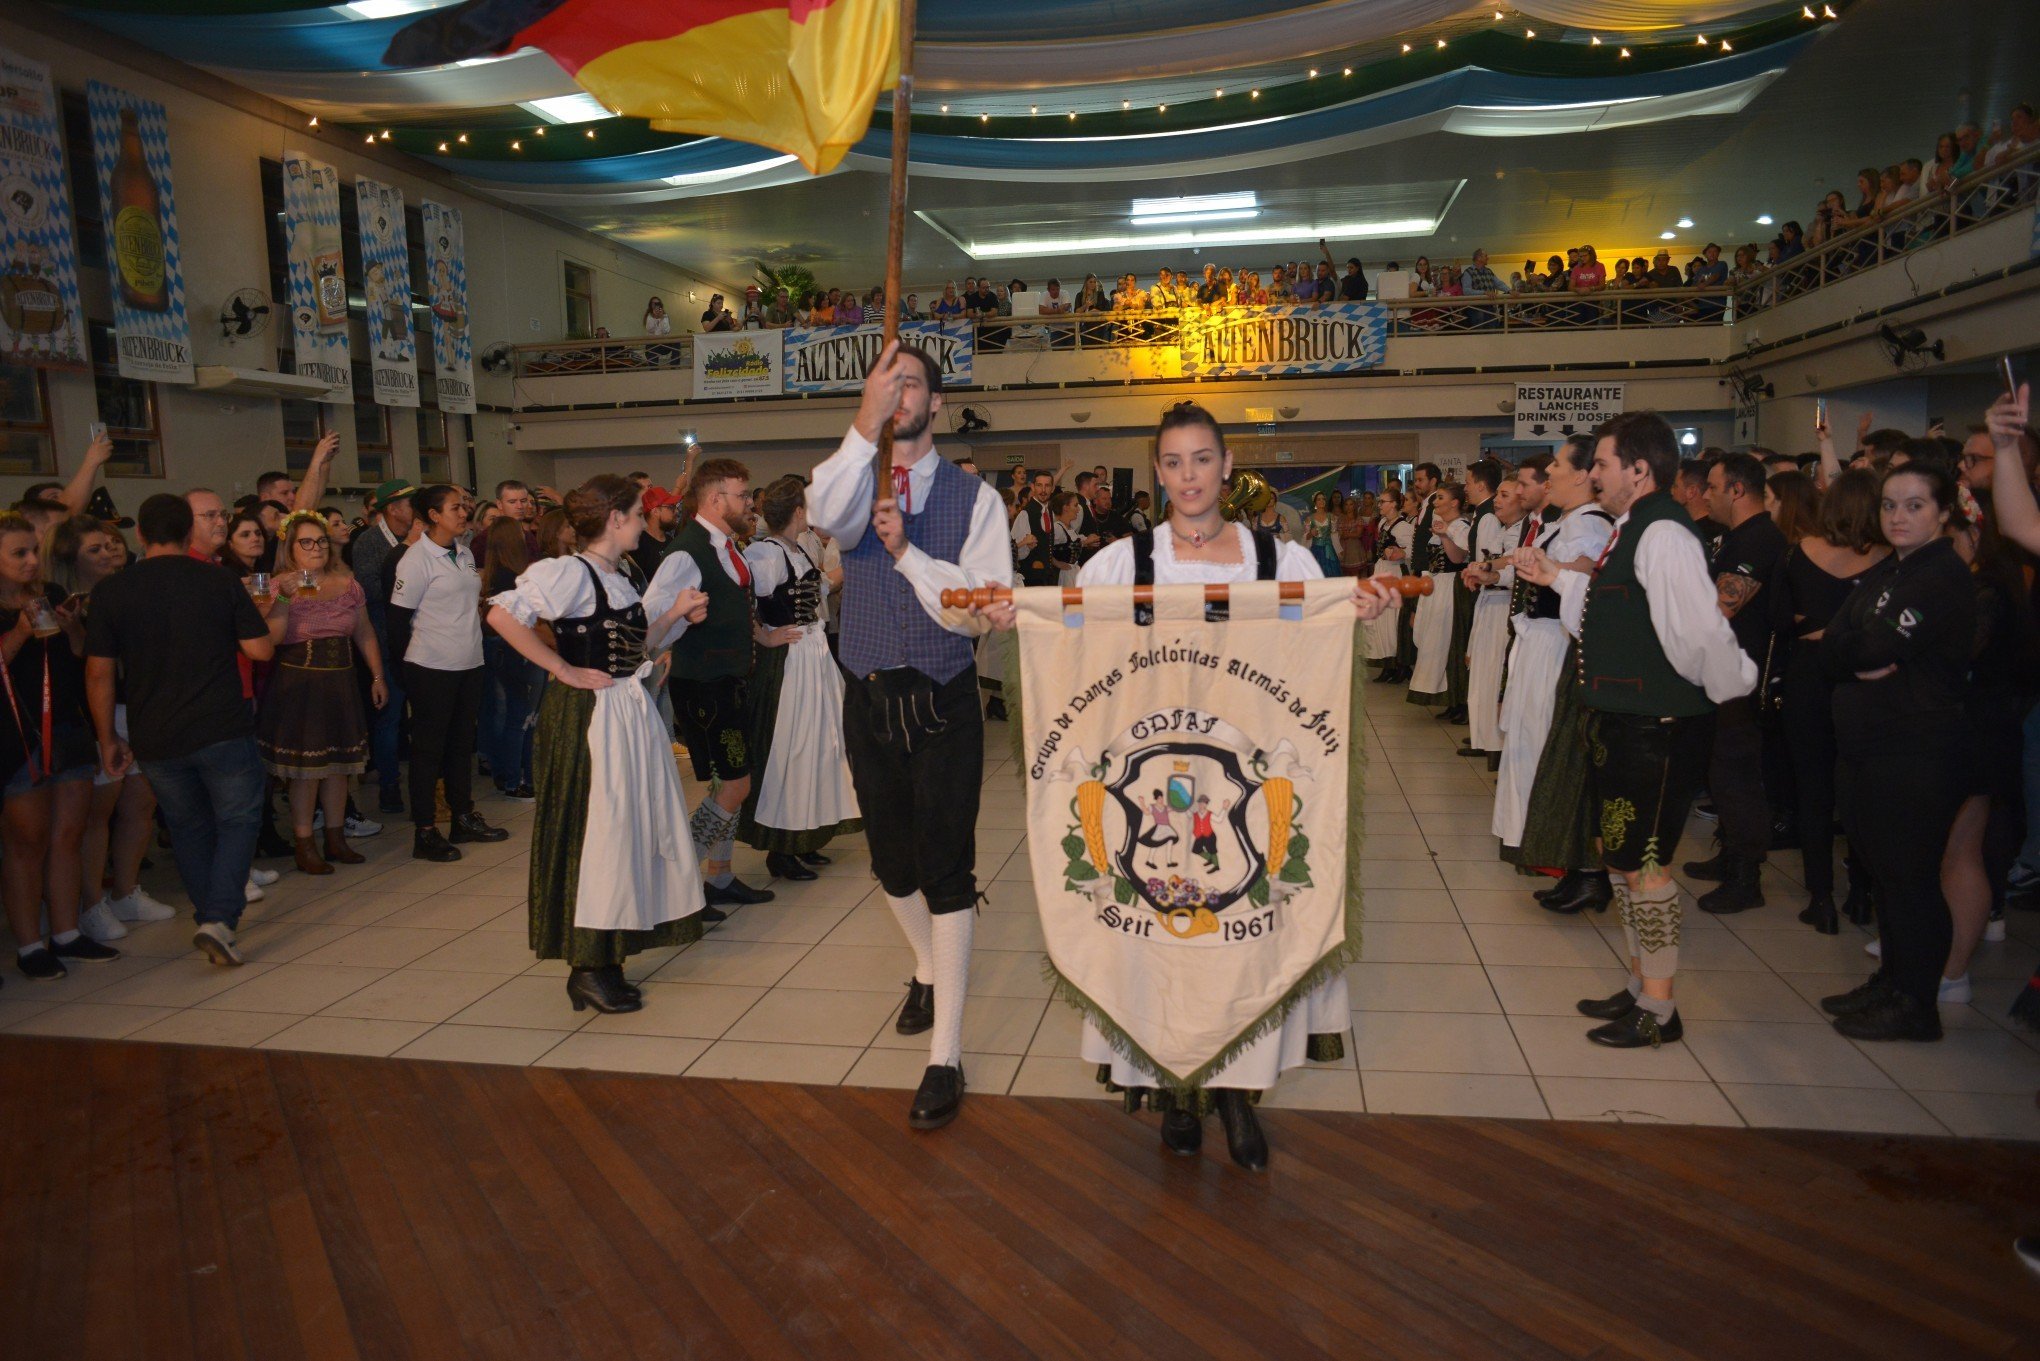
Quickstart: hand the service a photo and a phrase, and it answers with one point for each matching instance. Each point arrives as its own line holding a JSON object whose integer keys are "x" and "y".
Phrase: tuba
{"x": 1248, "y": 495}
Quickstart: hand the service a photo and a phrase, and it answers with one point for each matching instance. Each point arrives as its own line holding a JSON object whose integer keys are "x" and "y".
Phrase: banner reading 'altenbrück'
{"x": 318, "y": 278}
{"x": 452, "y": 343}
{"x": 386, "y": 291}
{"x": 131, "y": 152}
{"x": 1192, "y": 811}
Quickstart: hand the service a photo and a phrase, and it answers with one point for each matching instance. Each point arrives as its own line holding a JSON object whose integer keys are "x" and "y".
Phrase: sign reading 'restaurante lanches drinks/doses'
{"x": 1552, "y": 411}
{"x": 131, "y": 152}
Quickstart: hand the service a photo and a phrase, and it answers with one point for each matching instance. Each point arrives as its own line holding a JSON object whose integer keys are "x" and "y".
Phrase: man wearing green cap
{"x": 389, "y": 527}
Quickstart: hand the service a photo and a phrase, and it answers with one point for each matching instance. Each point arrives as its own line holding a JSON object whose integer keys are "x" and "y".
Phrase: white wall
{"x": 219, "y": 134}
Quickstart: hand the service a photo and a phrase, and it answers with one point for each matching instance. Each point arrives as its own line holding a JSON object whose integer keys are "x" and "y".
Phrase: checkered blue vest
{"x": 883, "y": 622}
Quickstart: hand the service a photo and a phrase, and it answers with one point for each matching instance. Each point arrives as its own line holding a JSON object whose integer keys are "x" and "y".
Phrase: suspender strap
{"x": 1264, "y": 555}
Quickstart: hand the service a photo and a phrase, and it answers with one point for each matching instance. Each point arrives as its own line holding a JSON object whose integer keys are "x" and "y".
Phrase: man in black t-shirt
{"x": 1751, "y": 553}
{"x": 174, "y": 626}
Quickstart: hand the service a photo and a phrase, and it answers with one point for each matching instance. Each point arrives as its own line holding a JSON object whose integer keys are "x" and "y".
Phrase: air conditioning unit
{"x": 225, "y": 380}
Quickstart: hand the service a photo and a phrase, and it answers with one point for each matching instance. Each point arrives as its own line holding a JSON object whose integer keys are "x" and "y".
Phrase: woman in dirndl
{"x": 1197, "y": 545}
{"x": 311, "y": 728}
{"x": 1439, "y": 629}
{"x": 612, "y": 867}
{"x": 803, "y": 797}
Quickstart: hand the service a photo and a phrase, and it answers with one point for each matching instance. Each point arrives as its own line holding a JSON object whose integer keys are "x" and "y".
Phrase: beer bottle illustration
{"x": 329, "y": 283}
{"x": 137, "y": 225}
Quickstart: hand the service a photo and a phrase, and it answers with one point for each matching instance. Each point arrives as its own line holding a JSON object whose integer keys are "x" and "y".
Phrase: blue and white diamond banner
{"x": 453, "y": 346}
{"x": 318, "y": 275}
{"x": 836, "y": 358}
{"x": 386, "y": 288}
{"x": 131, "y": 152}
{"x": 1336, "y": 338}
{"x": 42, "y": 321}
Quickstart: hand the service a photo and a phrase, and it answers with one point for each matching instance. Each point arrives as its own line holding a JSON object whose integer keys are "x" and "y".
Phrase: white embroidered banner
{"x": 1188, "y": 810}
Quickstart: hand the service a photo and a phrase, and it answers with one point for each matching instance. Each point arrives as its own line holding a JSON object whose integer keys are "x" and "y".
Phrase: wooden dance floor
{"x": 159, "y": 1201}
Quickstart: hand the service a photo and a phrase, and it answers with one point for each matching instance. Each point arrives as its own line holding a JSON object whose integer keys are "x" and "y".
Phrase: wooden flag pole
{"x": 978, "y": 597}
{"x": 896, "y": 229}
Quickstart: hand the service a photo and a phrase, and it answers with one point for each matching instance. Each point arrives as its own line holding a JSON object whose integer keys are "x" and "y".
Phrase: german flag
{"x": 800, "y": 76}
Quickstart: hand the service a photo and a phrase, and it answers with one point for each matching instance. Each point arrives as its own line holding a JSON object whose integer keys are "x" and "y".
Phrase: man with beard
{"x": 662, "y": 512}
{"x": 911, "y": 724}
{"x": 1656, "y": 655}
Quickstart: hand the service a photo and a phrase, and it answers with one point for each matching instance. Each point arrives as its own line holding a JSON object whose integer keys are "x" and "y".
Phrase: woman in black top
{"x": 1900, "y": 649}
{"x": 1986, "y": 834}
{"x": 47, "y": 758}
{"x": 1818, "y": 574}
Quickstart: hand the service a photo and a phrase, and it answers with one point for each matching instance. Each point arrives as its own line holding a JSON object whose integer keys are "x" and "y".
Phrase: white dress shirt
{"x": 679, "y": 572}
{"x": 1685, "y": 610}
{"x": 839, "y": 504}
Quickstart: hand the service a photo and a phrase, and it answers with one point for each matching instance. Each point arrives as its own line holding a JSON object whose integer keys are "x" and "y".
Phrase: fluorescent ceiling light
{"x": 1225, "y": 215}
{"x": 388, "y": 9}
{"x": 1666, "y": 236}
{"x": 1236, "y": 236}
{"x": 1178, "y": 209}
{"x": 727, "y": 173}
{"x": 1764, "y": 221}
{"x": 577, "y": 108}
{"x": 1684, "y": 223}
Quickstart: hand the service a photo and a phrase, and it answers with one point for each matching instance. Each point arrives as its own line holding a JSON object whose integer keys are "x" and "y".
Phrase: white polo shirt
{"x": 444, "y": 590}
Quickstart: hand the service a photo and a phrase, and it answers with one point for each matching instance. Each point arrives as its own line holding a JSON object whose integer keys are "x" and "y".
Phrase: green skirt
{"x": 1558, "y": 832}
{"x": 560, "y": 773}
{"x": 768, "y": 681}
{"x": 1462, "y": 639}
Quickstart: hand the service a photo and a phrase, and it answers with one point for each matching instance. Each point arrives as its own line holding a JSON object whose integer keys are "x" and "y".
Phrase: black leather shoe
{"x": 1243, "y": 1137}
{"x": 1820, "y": 915}
{"x": 787, "y": 867}
{"x": 599, "y": 989}
{"x": 41, "y": 965}
{"x": 84, "y": 948}
{"x": 815, "y": 858}
{"x": 1456, "y": 714}
{"x": 1468, "y": 749}
{"x": 1638, "y": 1030}
{"x": 738, "y": 892}
{"x": 428, "y": 844}
{"x": 711, "y": 915}
{"x": 1592, "y": 891}
{"x": 1714, "y": 868}
{"x": 939, "y": 1099}
{"x": 1182, "y": 1132}
{"x": 917, "y": 1013}
{"x": 470, "y": 827}
{"x": 622, "y": 984}
{"x": 1859, "y": 998}
{"x": 1739, "y": 892}
{"x": 1893, "y": 1016}
{"x": 1389, "y": 676}
{"x": 1559, "y": 887}
{"x": 1608, "y": 1008}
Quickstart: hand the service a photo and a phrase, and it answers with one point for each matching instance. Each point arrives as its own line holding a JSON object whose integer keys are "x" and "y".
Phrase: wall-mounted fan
{"x": 497, "y": 357}
{"x": 245, "y": 315}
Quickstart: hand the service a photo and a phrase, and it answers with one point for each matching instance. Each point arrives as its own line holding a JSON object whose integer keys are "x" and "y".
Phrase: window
{"x": 580, "y": 285}
{"x": 435, "y": 464}
{"x": 304, "y": 423}
{"x": 26, "y": 449}
{"x": 127, "y": 407}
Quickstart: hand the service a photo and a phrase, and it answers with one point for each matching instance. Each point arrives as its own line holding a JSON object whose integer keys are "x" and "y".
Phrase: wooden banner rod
{"x": 1073, "y": 596}
{"x": 896, "y": 227}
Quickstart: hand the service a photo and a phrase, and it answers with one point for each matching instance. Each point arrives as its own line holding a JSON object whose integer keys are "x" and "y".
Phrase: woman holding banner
{"x": 1198, "y": 546}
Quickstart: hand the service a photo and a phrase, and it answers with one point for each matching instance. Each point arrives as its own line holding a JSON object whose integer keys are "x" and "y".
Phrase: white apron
{"x": 1380, "y": 631}
{"x": 807, "y": 773}
{"x": 1486, "y": 648}
{"x": 1431, "y": 631}
{"x": 1526, "y": 720}
{"x": 637, "y": 862}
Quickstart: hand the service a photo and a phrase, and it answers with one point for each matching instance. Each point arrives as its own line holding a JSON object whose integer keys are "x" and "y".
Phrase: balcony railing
{"x": 1981, "y": 197}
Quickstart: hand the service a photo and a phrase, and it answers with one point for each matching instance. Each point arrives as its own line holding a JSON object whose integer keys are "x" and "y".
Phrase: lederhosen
{"x": 612, "y": 641}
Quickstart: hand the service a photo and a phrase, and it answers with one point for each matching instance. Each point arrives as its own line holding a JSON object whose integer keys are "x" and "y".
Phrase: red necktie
{"x": 902, "y": 493}
{"x": 737, "y": 564}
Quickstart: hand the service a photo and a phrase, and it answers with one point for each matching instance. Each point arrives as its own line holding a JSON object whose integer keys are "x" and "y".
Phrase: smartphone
{"x": 1820, "y": 413}
{"x": 97, "y": 430}
{"x": 2005, "y": 372}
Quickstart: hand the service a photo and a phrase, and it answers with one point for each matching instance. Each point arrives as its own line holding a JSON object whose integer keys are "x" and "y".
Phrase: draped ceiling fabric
{"x": 1492, "y": 81}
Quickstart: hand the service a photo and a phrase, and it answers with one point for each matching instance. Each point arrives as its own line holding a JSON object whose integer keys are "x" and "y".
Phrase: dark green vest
{"x": 719, "y": 645}
{"x": 1622, "y": 666}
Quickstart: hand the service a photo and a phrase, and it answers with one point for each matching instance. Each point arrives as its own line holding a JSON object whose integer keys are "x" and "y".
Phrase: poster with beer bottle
{"x": 318, "y": 280}
{"x": 42, "y": 321}
{"x": 131, "y": 153}
{"x": 386, "y": 291}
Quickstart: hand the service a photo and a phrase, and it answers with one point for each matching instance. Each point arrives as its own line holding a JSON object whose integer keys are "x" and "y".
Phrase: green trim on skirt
{"x": 768, "y": 678}
{"x": 561, "y": 769}
{"x": 1559, "y": 831}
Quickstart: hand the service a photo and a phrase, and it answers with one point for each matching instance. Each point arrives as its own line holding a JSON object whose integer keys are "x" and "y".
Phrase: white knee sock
{"x": 952, "y": 932}
{"x": 911, "y": 912}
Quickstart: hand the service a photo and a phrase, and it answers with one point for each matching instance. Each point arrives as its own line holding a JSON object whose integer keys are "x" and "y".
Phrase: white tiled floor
{"x": 1463, "y": 1001}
